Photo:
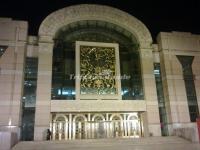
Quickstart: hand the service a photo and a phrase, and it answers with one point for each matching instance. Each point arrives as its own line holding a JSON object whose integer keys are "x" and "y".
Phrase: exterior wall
{"x": 170, "y": 45}
{"x": 14, "y": 35}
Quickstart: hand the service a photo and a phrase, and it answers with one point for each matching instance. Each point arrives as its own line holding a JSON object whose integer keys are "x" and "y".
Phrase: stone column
{"x": 54, "y": 130}
{"x": 89, "y": 126}
{"x": 16, "y": 89}
{"x": 107, "y": 126}
{"x": 70, "y": 126}
{"x": 150, "y": 89}
{"x": 43, "y": 97}
{"x": 125, "y": 125}
{"x": 143, "y": 117}
{"x": 74, "y": 129}
{"x": 66, "y": 130}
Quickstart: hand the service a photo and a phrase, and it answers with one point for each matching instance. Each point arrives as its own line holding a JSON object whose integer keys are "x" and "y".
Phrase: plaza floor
{"x": 151, "y": 143}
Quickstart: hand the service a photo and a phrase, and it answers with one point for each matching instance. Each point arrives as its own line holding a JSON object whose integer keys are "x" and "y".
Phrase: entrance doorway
{"x": 95, "y": 126}
{"x": 80, "y": 128}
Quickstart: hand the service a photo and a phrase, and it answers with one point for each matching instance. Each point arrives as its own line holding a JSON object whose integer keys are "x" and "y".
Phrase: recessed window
{"x": 161, "y": 99}
{"x": 63, "y": 67}
{"x": 2, "y": 49}
{"x": 29, "y": 99}
{"x": 186, "y": 62}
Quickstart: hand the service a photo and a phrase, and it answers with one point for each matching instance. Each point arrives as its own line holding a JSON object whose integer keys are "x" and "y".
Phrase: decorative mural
{"x": 97, "y": 70}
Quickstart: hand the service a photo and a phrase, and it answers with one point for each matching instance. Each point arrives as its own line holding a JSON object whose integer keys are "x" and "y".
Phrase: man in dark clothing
{"x": 48, "y": 134}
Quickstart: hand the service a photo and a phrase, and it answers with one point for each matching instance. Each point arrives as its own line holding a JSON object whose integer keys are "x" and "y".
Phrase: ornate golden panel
{"x": 97, "y": 70}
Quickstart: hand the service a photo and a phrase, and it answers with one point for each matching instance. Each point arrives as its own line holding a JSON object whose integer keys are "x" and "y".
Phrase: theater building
{"x": 93, "y": 71}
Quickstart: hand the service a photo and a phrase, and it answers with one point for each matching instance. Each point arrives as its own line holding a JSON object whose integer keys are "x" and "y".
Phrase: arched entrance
{"x": 66, "y": 17}
{"x": 98, "y": 125}
{"x": 60, "y": 128}
{"x": 116, "y": 125}
{"x": 134, "y": 126}
{"x": 79, "y": 125}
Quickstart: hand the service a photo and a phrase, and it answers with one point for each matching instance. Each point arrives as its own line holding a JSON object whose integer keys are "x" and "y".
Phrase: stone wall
{"x": 13, "y": 35}
{"x": 189, "y": 133}
{"x": 7, "y": 140}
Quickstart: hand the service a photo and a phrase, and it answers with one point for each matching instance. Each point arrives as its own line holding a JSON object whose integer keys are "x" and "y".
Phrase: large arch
{"x": 65, "y": 16}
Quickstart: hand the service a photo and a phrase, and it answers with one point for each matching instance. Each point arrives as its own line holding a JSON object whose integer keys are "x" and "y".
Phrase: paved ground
{"x": 153, "y": 143}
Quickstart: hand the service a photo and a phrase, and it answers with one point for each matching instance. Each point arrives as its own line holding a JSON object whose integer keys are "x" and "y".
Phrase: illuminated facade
{"x": 94, "y": 72}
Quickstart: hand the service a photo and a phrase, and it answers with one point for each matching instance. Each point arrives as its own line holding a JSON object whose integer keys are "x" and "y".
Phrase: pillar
{"x": 43, "y": 96}
{"x": 152, "y": 112}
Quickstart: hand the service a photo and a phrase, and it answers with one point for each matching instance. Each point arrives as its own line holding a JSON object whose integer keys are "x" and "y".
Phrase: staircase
{"x": 154, "y": 143}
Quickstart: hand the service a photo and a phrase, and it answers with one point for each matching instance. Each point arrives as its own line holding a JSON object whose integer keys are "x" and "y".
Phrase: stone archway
{"x": 59, "y": 127}
{"x": 79, "y": 127}
{"x": 65, "y": 16}
{"x": 62, "y": 17}
{"x": 98, "y": 126}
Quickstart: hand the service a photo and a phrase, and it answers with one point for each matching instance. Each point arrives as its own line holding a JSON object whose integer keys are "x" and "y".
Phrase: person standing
{"x": 48, "y": 134}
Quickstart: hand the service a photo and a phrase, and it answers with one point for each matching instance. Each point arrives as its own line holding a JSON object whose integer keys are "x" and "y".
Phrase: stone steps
{"x": 98, "y": 143}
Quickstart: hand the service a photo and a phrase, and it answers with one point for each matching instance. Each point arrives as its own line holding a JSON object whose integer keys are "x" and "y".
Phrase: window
{"x": 29, "y": 99}
{"x": 186, "y": 62}
{"x": 63, "y": 82}
{"x": 161, "y": 100}
{"x": 131, "y": 85}
{"x": 2, "y": 50}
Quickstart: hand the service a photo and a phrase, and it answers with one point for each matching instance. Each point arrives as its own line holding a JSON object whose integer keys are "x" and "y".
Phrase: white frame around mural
{"x": 116, "y": 96}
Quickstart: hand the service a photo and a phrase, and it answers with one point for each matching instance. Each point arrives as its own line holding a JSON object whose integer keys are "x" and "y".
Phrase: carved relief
{"x": 97, "y": 68}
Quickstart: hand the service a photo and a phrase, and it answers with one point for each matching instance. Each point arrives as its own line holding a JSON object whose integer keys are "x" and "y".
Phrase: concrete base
{"x": 7, "y": 140}
{"x": 40, "y": 133}
{"x": 154, "y": 130}
{"x": 188, "y": 131}
{"x": 151, "y": 143}
{"x": 11, "y": 129}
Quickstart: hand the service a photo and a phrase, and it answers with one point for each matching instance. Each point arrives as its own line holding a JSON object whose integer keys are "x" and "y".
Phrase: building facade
{"x": 94, "y": 72}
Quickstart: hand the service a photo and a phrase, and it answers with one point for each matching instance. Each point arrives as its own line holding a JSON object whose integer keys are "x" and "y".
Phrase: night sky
{"x": 165, "y": 15}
